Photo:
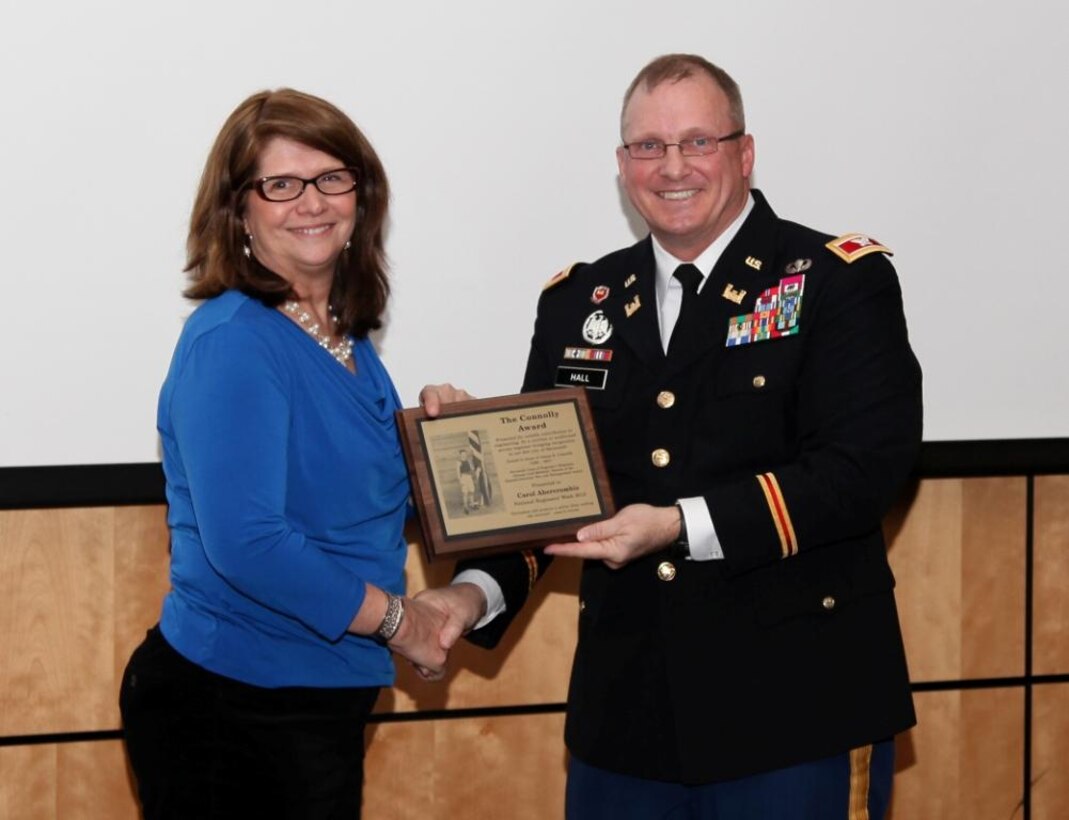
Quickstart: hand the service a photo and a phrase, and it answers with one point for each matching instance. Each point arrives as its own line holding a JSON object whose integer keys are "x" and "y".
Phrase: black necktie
{"x": 689, "y": 277}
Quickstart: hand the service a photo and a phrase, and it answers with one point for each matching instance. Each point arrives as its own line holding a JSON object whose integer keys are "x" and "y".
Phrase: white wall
{"x": 939, "y": 128}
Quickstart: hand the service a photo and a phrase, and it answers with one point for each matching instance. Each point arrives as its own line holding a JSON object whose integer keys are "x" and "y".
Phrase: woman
{"x": 286, "y": 487}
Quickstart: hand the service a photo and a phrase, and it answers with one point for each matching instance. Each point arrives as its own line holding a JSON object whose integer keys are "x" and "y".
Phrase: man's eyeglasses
{"x": 695, "y": 147}
{"x": 283, "y": 189}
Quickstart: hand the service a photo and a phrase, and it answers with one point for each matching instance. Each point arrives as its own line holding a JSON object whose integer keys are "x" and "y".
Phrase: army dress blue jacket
{"x": 795, "y": 411}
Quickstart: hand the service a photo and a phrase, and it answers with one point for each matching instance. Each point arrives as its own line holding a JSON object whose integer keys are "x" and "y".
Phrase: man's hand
{"x": 433, "y": 396}
{"x": 634, "y": 531}
{"x": 461, "y": 605}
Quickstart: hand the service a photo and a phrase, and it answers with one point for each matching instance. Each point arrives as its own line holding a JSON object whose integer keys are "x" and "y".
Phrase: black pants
{"x": 205, "y": 746}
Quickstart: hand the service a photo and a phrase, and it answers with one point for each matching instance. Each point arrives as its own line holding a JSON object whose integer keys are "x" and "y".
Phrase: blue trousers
{"x": 855, "y": 785}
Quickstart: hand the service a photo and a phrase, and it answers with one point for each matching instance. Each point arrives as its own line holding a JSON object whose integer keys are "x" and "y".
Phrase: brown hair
{"x": 676, "y": 67}
{"x": 215, "y": 258}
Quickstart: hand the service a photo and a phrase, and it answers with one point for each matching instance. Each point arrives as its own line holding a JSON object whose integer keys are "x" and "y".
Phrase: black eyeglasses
{"x": 283, "y": 189}
{"x": 694, "y": 147}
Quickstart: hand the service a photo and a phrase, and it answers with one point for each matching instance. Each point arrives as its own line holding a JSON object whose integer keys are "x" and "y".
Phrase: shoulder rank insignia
{"x": 852, "y": 246}
{"x": 559, "y": 277}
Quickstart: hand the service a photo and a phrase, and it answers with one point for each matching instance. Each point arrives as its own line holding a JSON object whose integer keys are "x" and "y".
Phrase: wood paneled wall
{"x": 78, "y": 587}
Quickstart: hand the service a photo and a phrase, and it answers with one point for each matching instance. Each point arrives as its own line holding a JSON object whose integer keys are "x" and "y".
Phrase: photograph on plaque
{"x": 465, "y": 472}
{"x": 505, "y": 473}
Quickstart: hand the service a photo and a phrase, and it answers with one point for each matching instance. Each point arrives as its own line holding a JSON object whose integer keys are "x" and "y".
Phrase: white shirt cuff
{"x": 704, "y": 545}
{"x": 495, "y": 600}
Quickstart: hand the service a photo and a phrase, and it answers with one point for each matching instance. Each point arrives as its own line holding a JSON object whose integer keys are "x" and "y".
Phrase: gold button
{"x": 665, "y": 399}
{"x": 660, "y": 457}
{"x": 666, "y": 570}
{"x": 828, "y": 603}
{"x": 758, "y": 381}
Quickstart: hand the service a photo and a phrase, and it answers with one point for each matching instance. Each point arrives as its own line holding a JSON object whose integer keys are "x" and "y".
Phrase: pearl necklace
{"x": 342, "y": 351}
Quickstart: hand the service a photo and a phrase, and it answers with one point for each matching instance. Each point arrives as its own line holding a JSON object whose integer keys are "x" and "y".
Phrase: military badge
{"x": 629, "y": 281}
{"x": 595, "y": 354}
{"x": 632, "y": 306}
{"x": 754, "y": 262}
{"x": 597, "y": 328}
{"x": 853, "y": 246}
{"x": 733, "y": 295}
{"x": 600, "y": 294}
{"x": 798, "y": 266}
{"x": 776, "y": 313}
{"x": 739, "y": 330}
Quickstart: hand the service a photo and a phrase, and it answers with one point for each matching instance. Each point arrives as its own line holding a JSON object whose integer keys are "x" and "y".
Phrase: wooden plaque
{"x": 505, "y": 473}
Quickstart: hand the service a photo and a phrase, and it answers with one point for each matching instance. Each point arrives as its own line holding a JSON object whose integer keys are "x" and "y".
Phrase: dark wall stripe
{"x": 968, "y": 459}
{"x": 969, "y": 684}
{"x": 93, "y": 485}
{"x": 1029, "y": 625}
{"x": 473, "y": 712}
{"x": 60, "y": 737}
{"x": 113, "y": 485}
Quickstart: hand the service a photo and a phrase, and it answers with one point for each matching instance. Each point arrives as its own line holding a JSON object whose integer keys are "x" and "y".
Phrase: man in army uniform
{"x": 759, "y": 407}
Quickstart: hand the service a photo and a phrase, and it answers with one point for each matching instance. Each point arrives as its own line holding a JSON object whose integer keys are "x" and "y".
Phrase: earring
{"x": 348, "y": 244}
{"x": 247, "y": 250}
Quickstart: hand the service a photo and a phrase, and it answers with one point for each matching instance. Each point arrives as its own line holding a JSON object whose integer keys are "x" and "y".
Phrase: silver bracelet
{"x": 391, "y": 621}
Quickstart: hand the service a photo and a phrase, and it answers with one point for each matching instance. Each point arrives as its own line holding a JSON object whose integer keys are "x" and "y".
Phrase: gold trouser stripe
{"x": 532, "y": 569}
{"x": 777, "y": 506}
{"x": 860, "y": 768}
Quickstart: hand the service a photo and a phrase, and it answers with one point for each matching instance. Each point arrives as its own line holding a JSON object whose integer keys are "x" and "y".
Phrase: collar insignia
{"x": 733, "y": 295}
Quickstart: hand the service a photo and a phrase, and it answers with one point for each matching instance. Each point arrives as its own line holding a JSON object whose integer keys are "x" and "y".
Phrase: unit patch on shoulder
{"x": 559, "y": 277}
{"x": 852, "y": 246}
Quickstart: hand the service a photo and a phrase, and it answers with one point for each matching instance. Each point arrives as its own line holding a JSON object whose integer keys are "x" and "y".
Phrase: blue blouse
{"x": 287, "y": 492}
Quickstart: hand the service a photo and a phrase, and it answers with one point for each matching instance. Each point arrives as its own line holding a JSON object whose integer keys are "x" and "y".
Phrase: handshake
{"x": 433, "y": 621}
